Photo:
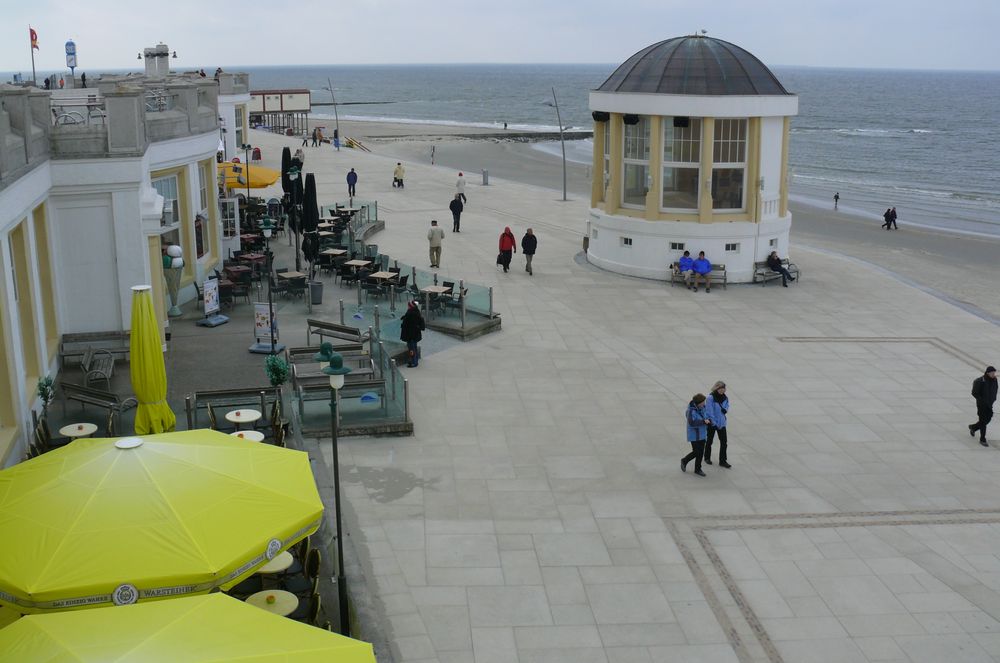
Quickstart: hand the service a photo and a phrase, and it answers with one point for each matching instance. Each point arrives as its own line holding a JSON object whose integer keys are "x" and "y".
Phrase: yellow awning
{"x": 193, "y": 630}
{"x": 95, "y": 522}
{"x": 236, "y": 174}
{"x": 149, "y": 376}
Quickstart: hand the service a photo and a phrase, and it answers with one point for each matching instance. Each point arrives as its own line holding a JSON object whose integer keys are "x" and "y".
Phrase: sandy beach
{"x": 962, "y": 268}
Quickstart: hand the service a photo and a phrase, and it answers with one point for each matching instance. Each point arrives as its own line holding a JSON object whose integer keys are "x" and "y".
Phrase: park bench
{"x": 75, "y": 346}
{"x": 319, "y": 390}
{"x": 340, "y": 335}
{"x": 90, "y": 396}
{"x": 718, "y": 275}
{"x": 309, "y": 381}
{"x": 98, "y": 364}
{"x": 763, "y": 273}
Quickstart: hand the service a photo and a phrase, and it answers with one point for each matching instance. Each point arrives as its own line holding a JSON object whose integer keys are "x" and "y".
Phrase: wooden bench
{"x": 340, "y": 334}
{"x": 763, "y": 273}
{"x": 89, "y": 396}
{"x": 98, "y": 364}
{"x": 717, "y": 275}
{"x": 75, "y": 346}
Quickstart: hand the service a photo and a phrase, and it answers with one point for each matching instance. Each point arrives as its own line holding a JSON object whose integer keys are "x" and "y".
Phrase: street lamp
{"x": 246, "y": 150}
{"x": 562, "y": 142}
{"x": 337, "y": 371}
{"x": 336, "y": 116}
{"x": 267, "y": 226}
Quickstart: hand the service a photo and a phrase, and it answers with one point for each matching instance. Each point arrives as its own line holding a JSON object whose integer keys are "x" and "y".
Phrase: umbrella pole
{"x": 345, "y": 618}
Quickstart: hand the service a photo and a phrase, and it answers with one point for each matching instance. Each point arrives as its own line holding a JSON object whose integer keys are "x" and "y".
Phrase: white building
{"x": 93, "y": 182}
{"x": 690, "y": 153}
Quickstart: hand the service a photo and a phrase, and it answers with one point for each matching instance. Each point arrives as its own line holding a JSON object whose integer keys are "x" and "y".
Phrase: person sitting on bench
{"x": 702, "y": 271}
{"x": 685, "y": 267}
{"x": 774, "y": 264}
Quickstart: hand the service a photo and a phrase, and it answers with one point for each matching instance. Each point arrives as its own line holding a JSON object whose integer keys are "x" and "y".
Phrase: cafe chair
{"x": 301, "y": 583}
{"x": 246, "y": 587}
{"x": 308, "y": 610}
{"x": 50, "y": 441}
{"x": 109, "y": 426}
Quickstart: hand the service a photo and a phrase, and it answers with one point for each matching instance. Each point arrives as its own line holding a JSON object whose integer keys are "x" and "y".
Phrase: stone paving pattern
{"x": 539, "y": 515}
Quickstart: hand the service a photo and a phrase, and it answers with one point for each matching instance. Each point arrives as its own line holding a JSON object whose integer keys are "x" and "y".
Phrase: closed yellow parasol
{"x": 104, "y": 521}
{"x": 194, "y": 630}
{"x": 236, "y": 175}
{"x": 149, "y": 375}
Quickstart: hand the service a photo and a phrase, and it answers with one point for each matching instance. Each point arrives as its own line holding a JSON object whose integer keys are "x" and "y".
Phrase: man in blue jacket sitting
{"x": 685, "y": 267}
{"x": 702, "y": 271}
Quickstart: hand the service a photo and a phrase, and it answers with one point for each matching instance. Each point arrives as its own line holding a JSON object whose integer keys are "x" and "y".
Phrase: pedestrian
{"x": 836, "y": 199}
{"x": 315, "y": 137}
{"x": 83, "y": 79}
{"x": 685, "y": 267}
{"x": 717, "y": 406}
{"x": 352, "y": 180}
{"x": 62, "y": 82}
{"x": 984, "y": 390}
{"x": 397, "y": 175}
{"x": 434, "y": 237}
{"x": 528, "y": 245}
{"x": 775, "y": 265}
{"x": 508, "y": 247}
{"x": 460, "y": 188}
{"x": 702, "y": 272}
{"x": 305, "y": 138}
{"x": 888, "y": 218}
{"x": 218, "y": 72}
{"x": 892, "y": 218}
{"x": 410, "y": 327}
{"x": 456, "y": 208}
{"x": 697, "y": 428}
{"x": 201, "y": 72}
{"x": 505, "y": 126}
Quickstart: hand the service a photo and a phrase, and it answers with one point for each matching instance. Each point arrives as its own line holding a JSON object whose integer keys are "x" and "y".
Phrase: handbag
{"x": 499, "y": 258}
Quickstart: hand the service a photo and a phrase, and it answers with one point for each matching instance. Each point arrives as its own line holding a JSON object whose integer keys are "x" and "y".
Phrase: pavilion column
{"x": 655, "y": 171}
{"x": 597, "y": 179}
{"x": 753, "y": 170}
{"x": 707, "y": 147}
{"x": 783, "y": 184}
{"x": 613, "y": 199}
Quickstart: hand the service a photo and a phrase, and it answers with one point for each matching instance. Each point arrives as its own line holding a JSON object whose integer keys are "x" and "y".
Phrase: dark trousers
{"x": 413, "y": 352}
{"x": 506, "y": 255}
{"x": 350, "y": 190}
{"x": 697, "y": 453}
{"x": 785, "y": 275}
{"x": 712, "y": 430}
{"x": 456, "y": 220}
{"x": 464, "y": 199}
{"x": 984, "y": 415}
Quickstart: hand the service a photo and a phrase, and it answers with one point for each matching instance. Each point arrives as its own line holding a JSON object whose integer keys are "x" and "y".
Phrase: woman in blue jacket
{"x": 697, "y": 424}
{"x": 717, "y": 406}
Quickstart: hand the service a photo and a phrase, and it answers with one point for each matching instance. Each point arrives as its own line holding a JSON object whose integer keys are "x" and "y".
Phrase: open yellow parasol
{"x": 236, "y": 175}
{"x": 195, "y": 629}
{"x": 149, "y": 375}
{"x": 104, "y": 521}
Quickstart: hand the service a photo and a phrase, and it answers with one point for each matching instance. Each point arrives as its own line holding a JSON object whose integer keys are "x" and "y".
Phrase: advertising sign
{"x": 211, "y": 295}
{"x": 262, "y": 323}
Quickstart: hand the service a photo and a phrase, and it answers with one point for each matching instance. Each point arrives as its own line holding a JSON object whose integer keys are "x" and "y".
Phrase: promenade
{"x": 539, "y": 514}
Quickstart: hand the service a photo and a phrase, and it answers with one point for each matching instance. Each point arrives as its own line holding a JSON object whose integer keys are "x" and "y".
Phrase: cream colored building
{"x": 92, "y": 183}
{"x": 690, "y": 153}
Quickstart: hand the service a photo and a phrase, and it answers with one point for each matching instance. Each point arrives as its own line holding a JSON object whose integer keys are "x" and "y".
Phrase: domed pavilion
{"x": 690, "y": 153}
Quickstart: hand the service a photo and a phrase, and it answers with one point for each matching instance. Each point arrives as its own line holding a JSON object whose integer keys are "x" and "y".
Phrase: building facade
{"x": 690, "y": 153}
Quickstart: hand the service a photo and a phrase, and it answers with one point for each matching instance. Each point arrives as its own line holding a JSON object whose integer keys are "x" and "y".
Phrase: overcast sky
{"x": 957, "y": 34}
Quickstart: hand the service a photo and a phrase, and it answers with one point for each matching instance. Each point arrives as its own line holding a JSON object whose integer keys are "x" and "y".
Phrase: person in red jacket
{"x": 508, "y": 247}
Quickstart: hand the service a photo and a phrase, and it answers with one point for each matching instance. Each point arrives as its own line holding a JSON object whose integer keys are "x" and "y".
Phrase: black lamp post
{"x": 555, "y": 102}
{"x": 246, "y": 150}
{"x": 267, "y": 226}
{"x": 337, "y": 371}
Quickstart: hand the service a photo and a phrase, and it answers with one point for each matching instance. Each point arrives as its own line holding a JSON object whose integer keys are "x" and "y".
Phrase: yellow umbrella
{"x": 149, "y": 376}
{"x": 194, "y": 629}
{"x": 104, "y": 521}
{"x": 8, "y": 616}
{"x": 236, "y": 175}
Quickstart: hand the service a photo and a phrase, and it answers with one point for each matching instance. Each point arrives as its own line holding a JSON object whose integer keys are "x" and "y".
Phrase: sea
{"x": 925, "y": 142}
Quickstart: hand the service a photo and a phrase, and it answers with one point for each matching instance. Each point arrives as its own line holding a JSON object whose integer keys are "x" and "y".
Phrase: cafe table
{"x": 78, "y": 430}
{"x": 243, "y": 416}
{"x": 280, "y": 563}
{"x": 283, "y": 603}
{"x": 356, "y": 264}
{"x": 291, "y": 275}
{"x": 432, "y": 290}
{"x": 250, "y": 435}
{"x": 333, "y": 252}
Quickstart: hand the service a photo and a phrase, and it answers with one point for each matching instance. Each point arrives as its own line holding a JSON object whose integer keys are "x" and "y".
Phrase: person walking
{"x": 717, "y": 406}
{"x": 434, "y": 237}
{"x": 984, "y": 390}
{"x": 305, "y": 138}
{"x": 83, "y": 78}
{"x": 508, "y": 247}
{"x": 352, "y": 180}
{"x": 697, "y": 427}
{"x": 456, "y": 208}
{"x": 888, "y": 218}
{"x": 892, "y": 218}
{"x": 460, "y": 188}
{"x": 836, "y": 199}
{"x": 528, "y": 245}
{"x": 774, "y": 264}
{"x": 397, "y": 176}
{"x": 315, "y": 137}
{"x": 410, "y": 327}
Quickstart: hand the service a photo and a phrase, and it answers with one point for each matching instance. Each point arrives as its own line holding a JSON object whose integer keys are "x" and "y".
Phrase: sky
{"x": 892, "y": 34}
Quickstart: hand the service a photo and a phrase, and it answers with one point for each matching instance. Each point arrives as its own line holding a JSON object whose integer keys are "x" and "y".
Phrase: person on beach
{"x": 702, "y": 272}
{"x": 774, "y": 264}
{"x": 717, "y": 406}
{"x": 434, "y": 237}
{"x": 201, "y": 72}
{"x": 836, "y": 199}
{"x": 528, "y": 245}
{"x": 892, "y": 218}
{"x": 456, "y": 208}
{"x": 218, "y": 72}
{"x": 460, "y": 188}
{"x": 685, "y": 267}
{"x": 888, "y": 218}
{"x": 397, "y": 175}
{"x": 410, "y": 327}
{"x": 697, "y": 427}
{"x": 508, "y": 247}
{"x": 352, "y": 180}
{"x": 305, "y": 139}
{"x": 83, "y": 79}
{"x": 984, "y": 390}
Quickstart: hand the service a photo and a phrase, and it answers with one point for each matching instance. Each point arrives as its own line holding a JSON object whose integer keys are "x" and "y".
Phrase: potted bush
{"x": 276, "y": 369}
{"x": 46, "y": 391}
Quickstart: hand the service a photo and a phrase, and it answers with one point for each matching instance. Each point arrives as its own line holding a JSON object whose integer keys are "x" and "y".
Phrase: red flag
{"x": 34, "y": 37}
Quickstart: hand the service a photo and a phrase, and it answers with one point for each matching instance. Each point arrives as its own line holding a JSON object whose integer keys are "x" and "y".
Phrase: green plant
{"x": 46, "y": 390}
{"x": 276, "y": 369}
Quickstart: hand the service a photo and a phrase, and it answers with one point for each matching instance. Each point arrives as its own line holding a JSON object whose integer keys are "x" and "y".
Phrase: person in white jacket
{"x": 460, "y": 188}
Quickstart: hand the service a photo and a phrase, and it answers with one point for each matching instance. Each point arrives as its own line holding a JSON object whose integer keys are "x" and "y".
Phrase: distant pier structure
{"x": 690, "y": 153}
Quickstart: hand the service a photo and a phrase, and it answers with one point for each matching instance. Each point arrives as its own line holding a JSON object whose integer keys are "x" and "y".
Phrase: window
{"x": 606, "y": 174}
{"x": 729, "y": 164}
{"x": 626, "y": 241}
{"x": 202, "y": 188}
{"x": 681, "y": 161}
{"x": 239, "y": 127}
{"x": 167, "y": 187}
{"x": 676, "y": 246}
{"x": 200, "y": 231}
{"x": 636, "y": 163}
{"x": 733, "y": 248}
{"x": 230, "y": 216}
{"x": 774, "y": 243}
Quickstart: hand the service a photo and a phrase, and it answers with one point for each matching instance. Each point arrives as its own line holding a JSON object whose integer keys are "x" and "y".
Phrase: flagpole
{"x": 31, "y": 47}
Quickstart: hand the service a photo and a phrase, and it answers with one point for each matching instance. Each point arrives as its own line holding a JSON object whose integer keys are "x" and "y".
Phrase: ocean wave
{"x": 860, "y": 131}
{"x": 866, "y": 182}
{"x": 450, "y": 123}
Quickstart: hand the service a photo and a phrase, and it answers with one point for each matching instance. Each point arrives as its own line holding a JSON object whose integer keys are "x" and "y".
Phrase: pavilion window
{"x": 729, "y": 164}
{"x": 635, "y": 148}
{"x": 681, "y": 160}
{"x": 167, "y": 187}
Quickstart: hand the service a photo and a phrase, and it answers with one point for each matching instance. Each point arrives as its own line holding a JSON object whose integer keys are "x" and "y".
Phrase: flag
{"x": 34, "y": 37}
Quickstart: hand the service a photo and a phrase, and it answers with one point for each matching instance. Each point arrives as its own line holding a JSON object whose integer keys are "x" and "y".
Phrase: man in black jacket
{"x": 456, "y": 208}
{"x": 984, "y": 390}
{"x": 528, "y": 245}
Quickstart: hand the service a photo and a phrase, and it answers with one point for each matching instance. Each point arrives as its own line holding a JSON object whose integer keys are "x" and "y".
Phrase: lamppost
{"x": 246, "y": 150}
{"x": 555, "y": 102}
{"x": 268, "y": 227}
{"x": 336, "y": 116}
{"x": 337, "y": 371}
